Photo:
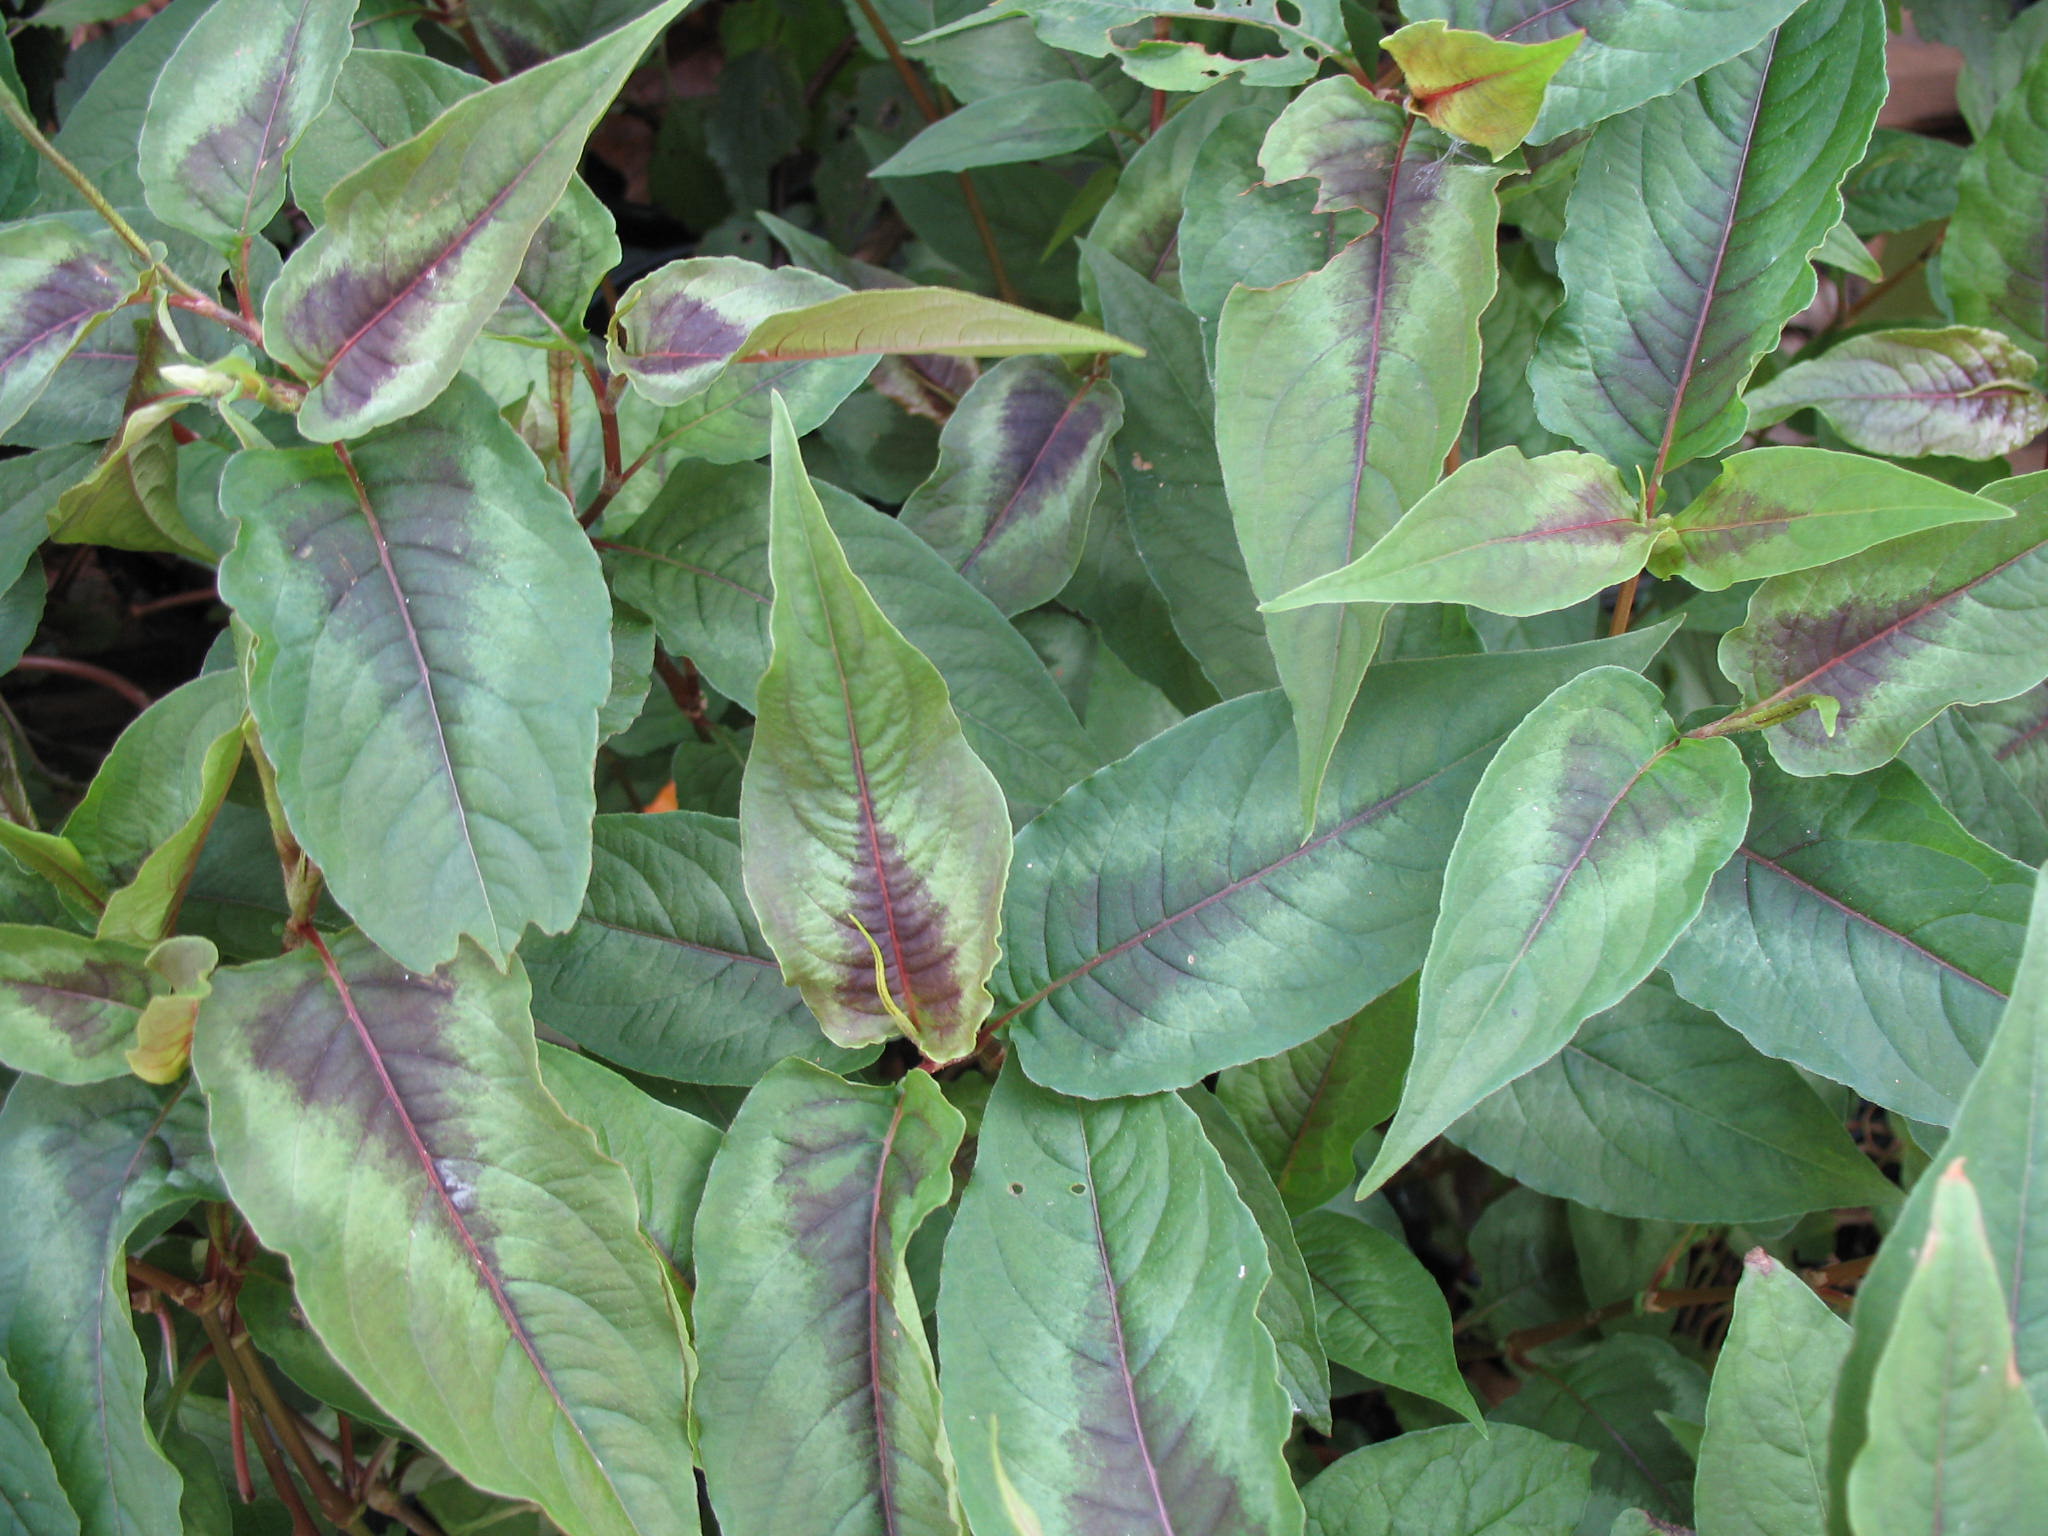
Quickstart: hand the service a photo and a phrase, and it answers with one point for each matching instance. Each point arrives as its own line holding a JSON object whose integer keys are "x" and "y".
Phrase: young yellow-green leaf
{"x": 1305, "y": 1108}
{"x": 1774, "y": 510}
{"x": 1907, "y": 393}
{"x": 56, "y": 285}
{"x": 1339, "y": 394}
{"x": 1633, "y": 52}
{"x": 1586, "y": 850}
{"x": 163, "y": 1035}
{"x": 1380, "y": 1312}
{"x": 1764, "y": 1456}
{"x": 1991, "y": 263}
{"x": 229, "y": 108}
{"x": 422, "y": 244}
{"x": 1686, "y": 235}
{"x": 1020, "y": 461}
{"x": 1098, "y": 1326}
{"x": 434, "y": 643}
{"x": 677, "y": 328}
{"x": 815, "y": 1388}
{"x": 1476, "y": 87}
{"x": 1304, "y": 33}
{"x": 941, "y": 322}
{"x": 388, "y": 1132}
{"x": 1954, "y": 1444}
{"x": 68, "y": 1004}
{"x": 1504, "y": 532}
{"x": 1501, "y": 1480}
{"x": 1036, "y": 122}
{"x": 1898, "y": 633}
{"x": 130, "y": 499}
{"x": 875, "y": 843}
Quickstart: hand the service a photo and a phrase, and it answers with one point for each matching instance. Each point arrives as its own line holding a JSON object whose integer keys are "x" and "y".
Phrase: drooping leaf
{"x": 1954, "y": 1443}
{"x": 1475, "y": 87}
{"x": 666, "y": 1152}
{"x": 1379, "y": 1311}
{"x": 1634, "y": 50}
{"x": 1764, "y": 1457}
{"x": 1659, "y": 1111}
{"x": 1907, "y": 393}
{"x": 1506, "y": 533}
{"x": 1306, "y": 1108}
{"x": 1586, "y": 851}
{"x": 1304, "y": 33}
{"x": 1994, "y": 264}
{"x": 387, "y": 1131}
{"x": 1175, "y": 505}
{"x": 1325, "y": 443}
{"x": 183, "y": 968}
{"x": 423, "y": 243}
{"x": 1166, "y": 919}
{"x": 1287, "y": 1306}
{"x": 1773, "y": 510}
{"x": 1019, "y": 465}
{"x": 1098, "y": 1330}
{"x": 1681, "y": 231}
{"x": 1899, "y": 633}
{"x": 677, "y": 328}
{"x": 697, "y": 563}
{"x": 434, "y": 645}
{"x": 816, "y": 1388}
{"x": 130, "y": 500}
{"x": 666, "y": 971}
{"x": 85, "y": 1166}
{"x": 145, "y": 910}
{"x": 231, "y": 103}
{"x": 1860, "y": 933}
{"x": 68, "y": 1004}
{"x": 875, "y": 843}
{"x": 1036, "y": 122}
{"x": 57, "y": 284}
{"x": 1502, "y": 1481}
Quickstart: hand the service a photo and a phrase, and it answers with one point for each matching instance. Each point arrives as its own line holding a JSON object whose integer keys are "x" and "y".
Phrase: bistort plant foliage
{"x": 1085, "y": 768}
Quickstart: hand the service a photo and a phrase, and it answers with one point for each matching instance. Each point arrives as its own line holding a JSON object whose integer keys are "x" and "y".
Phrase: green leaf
{"x": 1305, "y": 1108}
{"x": 1904, "y": 180}
{"x": 1379, "y": 1310}
{"x": 1506, "y": 533}
{"x": 68, "y": 1004}
{"x": 1475, "y": 87}
{"x": 1175, "y": 506}
{"x": 1898, "y": 633}
{"x": 1586, "y": 851}
{"x": 666, "y": 971}
{"x": 30, "y": 485}
{"x": 130, "y": 500}
{"x": 1287, "y": 1306}
{"x": 57, "y": 860}
{"x": 1773, "y": 510}
{"x": 1020, "y": 461}
{"x": 940, "y": 321}
{"x": 1659, "y": 1111}
{"x": 84, "y": 1167}
{"x": 1908, "y": 393}
{"x": 1763, "y": 1460}
{"x": 666, "y": 1152}
{"x": 30, "y": 1494}
{"x": 145, "y": 910}
{"x": 518, "y": 34}
{"x": 1954, "y": 1441}
{"x": 423, "y": 243}
{"x": 434, "y": 641}
{"x": 697, "y": 563}
{"x": 816, "y": 1387}
{"x": 1098, "y": 1331}
{"x": 1844, "y": 250}
{"x": 387, "y": 1132}
{"x": 1340, "y": 393}
{"x": 56, "y": 286}
{"x": 1633, "y": 52}
{"x": 1991, "y": 266}
{"x": 677, "y": 329}
{"x": 1680, "y": 233}
{"x": 1952, "y": 759}
{"x": 875, "y": 842}
{"x": 1140, "y": 955}
{"x": 244, "y": 84}
{"x": 1038, "y": 122}
{"x": 382, "y": 98}
{"x": 1860, "y": 933}
{"x": 1457, "y": 1478}
{"x": 1304, "y": 32}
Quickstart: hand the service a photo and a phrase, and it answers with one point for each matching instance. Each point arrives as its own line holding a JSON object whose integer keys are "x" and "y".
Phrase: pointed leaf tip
{"x": 1478, "y": 88}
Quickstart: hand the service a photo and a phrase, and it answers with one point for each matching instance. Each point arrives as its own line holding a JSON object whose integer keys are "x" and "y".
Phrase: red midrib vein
{"x": 995, "y": 524}
{"x": 514, "y": 1323}
{"x": 884, "y": 1470}
{"x": 291, "y": 49}
{"x": 1114, "y": 1297}
{"x": 1368, "y": 397}
{"x": 1530, "y": 21}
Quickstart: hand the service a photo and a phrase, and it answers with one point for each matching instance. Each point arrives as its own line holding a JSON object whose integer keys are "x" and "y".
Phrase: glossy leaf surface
{"x": 1503, "y": 1481}
{"x": 1474, "y": 87}
{"x": 1379, "y": 1310}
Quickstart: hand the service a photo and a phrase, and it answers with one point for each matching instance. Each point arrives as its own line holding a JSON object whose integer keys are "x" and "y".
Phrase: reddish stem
{"x": 85, "y": 671}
